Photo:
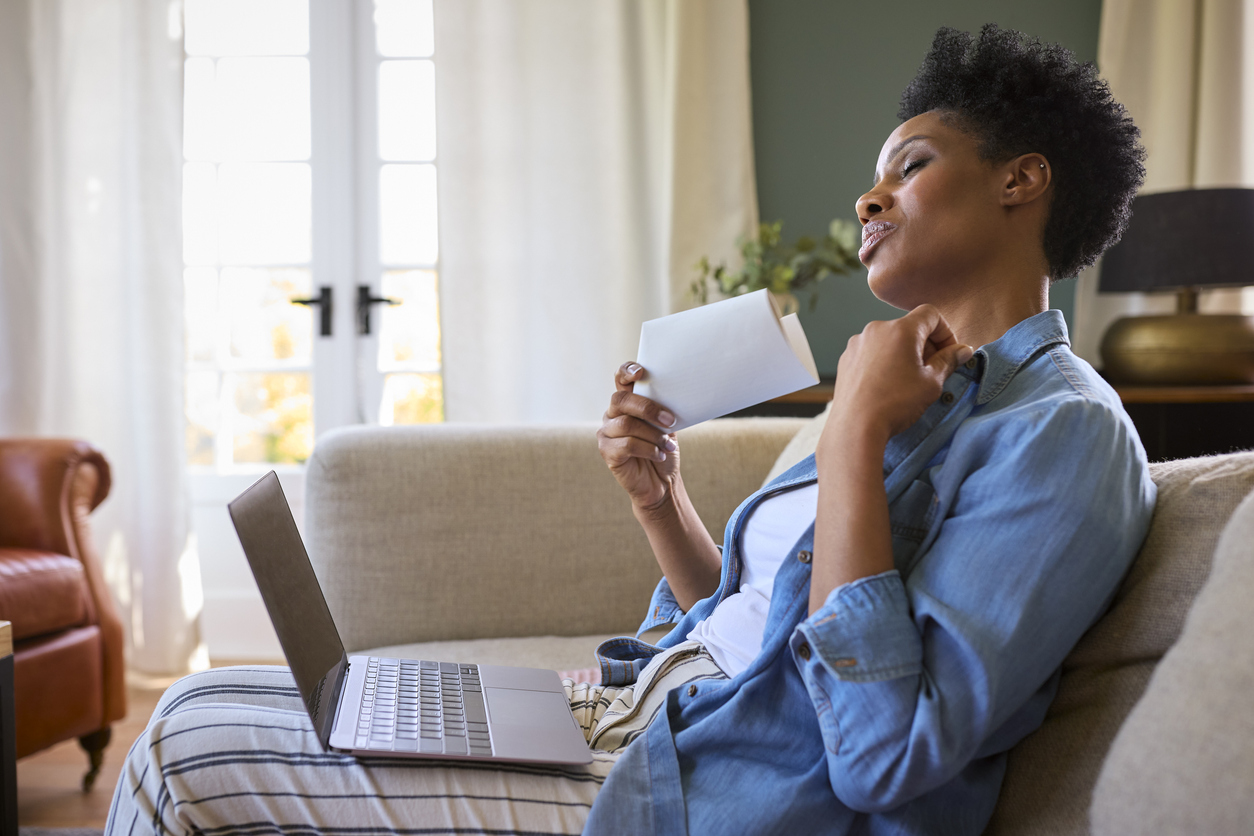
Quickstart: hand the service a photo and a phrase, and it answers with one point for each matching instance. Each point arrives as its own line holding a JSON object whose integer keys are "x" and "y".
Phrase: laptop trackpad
{"x": 531, "y": 724}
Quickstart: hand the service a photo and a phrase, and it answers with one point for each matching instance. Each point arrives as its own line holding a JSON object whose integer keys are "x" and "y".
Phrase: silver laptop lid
{"x": 263, "y": 520}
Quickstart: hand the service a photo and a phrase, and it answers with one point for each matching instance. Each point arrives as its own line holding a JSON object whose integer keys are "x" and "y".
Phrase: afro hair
{"x": 1016, "y": 96}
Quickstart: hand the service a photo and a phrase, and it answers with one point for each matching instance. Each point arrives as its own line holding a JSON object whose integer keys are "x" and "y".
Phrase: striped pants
{"x": 231, "y": 750}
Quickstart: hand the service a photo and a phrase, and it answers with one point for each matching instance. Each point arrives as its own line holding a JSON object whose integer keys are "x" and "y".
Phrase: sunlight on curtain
{"x": 90, "y": 283}
{"x": 591, "y": 152}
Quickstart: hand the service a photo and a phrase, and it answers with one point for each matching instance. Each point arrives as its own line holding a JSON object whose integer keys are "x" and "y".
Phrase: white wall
{"x": 234, "y": 623}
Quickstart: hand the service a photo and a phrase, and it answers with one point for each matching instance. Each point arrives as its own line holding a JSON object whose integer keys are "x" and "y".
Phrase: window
{"x": 300, "y": 186}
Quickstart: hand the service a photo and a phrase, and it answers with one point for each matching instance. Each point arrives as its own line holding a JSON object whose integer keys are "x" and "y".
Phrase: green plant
{"x": 781, "y": 268}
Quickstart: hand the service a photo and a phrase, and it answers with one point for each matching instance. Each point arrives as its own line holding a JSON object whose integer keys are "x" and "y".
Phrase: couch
{"x": 68, "y": 668}
{"x": 516, "y": 546}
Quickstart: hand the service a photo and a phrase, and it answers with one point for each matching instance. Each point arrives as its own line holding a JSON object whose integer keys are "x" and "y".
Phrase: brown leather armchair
{"x": 68, "y": 668}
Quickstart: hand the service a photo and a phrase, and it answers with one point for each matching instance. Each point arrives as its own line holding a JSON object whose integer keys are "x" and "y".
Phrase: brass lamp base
{"x": 1180, "y": 349}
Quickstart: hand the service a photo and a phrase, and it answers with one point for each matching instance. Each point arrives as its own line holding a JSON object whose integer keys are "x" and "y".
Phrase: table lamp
{"x": 1182, "y": 241}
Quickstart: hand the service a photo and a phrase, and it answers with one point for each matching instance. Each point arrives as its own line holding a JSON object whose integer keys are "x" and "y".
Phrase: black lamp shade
{"x": 1193, "y": 238}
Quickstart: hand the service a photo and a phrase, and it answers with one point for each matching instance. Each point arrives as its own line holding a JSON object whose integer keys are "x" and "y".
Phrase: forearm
{"x": 852, "y": 537}
{"x": 687, "y": 554}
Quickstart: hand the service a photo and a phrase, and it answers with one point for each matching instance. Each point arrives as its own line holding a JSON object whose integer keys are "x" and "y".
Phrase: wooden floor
{"x": 49, "y": 791}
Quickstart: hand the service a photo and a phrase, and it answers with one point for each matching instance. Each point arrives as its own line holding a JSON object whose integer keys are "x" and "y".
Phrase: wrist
{"x": 664, "y": 510}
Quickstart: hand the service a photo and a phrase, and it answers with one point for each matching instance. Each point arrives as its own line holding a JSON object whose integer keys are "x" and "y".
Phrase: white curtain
{"x": 1185, "y": 71}
{"x": 591, "y": 151}
{"x": 91, "y": 320}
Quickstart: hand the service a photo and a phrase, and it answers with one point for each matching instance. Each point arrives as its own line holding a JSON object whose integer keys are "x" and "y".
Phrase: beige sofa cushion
{"x": 802, "y": 444}
{"x": 1051, "y": 774}
{"x": 455, "y": 532}
{"x": 1183, "y": 763}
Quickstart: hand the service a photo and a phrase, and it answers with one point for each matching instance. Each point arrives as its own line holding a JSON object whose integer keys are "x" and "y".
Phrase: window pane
{"x": 407, "y": 212}
{"x": 201, "y": 391}
{"x": 412, "y": 399}
{"x": 265, "y": 213}
{"x": 200, "y": 213}
{"x": 263, "y": 108}
{"x": 407, "y": 110}
{"x": 409, "y": 333}
{"x": 200, "y": 306}
{"x": 246, "y": 27}
{"x": 265, "y": 327}
{"x": 403, "y": 28}
{"x": 273, "y": 417}
{"x": 200, "y": 110}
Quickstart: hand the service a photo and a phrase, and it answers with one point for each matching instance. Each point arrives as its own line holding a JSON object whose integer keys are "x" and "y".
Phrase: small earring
{"x": 1042, "y": 165}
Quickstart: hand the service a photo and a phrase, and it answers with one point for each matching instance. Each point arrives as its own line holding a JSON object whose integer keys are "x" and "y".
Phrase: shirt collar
{"x": 1002, "y": 358}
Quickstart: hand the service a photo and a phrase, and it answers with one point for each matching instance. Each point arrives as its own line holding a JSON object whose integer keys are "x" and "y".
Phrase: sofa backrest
{"x": 1051, "y": 774}
{"x": 446, "y": 532}
{"x": 1183, "y": 761}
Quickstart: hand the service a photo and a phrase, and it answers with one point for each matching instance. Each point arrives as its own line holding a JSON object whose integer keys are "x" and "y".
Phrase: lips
{"x": 872, "y": 234}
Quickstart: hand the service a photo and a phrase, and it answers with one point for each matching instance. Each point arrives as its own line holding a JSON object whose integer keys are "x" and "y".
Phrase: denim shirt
{"x": 1017, "y": 503}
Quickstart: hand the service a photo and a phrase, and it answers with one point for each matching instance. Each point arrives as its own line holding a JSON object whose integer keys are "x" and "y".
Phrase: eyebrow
{"x": 897, "y": 149}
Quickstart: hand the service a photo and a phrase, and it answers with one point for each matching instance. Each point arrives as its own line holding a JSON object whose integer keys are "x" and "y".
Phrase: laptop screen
{"x": 263, "y": 520}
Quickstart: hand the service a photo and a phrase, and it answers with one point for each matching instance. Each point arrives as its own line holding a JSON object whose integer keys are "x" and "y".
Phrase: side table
{"x": 1178, "y": 422}
{"x": 8, "y": 736}
{"x": 1174, "y": 422}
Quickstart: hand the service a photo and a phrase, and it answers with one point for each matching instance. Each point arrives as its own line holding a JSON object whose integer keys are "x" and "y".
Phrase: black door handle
{"x": 364, "y": 301}
{"x": 323, "y": 301}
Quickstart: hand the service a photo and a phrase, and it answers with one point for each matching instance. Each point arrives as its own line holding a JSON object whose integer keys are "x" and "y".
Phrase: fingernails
{"x": 632, "y": 368}
{"x": 667, "y": 419}
{"x": 965, "y": 353}
{"x": 661, "y": 456}
{"x": 670, "y": 445}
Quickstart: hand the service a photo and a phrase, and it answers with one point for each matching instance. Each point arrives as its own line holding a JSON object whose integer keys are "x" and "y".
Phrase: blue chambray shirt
{"x": 1017, "y": 503}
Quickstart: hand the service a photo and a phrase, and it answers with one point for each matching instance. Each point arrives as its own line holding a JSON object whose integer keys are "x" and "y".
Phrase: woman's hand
{"x": 644, "y": 459}
{"x": 893, "y": 371}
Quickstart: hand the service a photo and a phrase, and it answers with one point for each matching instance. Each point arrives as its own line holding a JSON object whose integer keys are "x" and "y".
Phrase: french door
{"x": 311, "y": 252}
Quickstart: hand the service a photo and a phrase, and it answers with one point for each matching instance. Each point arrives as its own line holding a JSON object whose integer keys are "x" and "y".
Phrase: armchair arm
{"x": 48, "y": 488}
{"x": 45, "y": 483}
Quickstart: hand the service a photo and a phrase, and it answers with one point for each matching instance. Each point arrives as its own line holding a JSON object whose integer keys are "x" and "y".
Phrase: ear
{"x": 1025, "y": 179}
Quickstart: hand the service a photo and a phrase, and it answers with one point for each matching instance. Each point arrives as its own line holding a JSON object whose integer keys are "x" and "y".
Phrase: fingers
{"x": 618, "y": 451}
{"x": 931, "y": 325}
{"x": 949, "y": 358}
{"x": 627, "y": 426}
{"x": 625, "y": 402}
{"x": 627, "y": 376}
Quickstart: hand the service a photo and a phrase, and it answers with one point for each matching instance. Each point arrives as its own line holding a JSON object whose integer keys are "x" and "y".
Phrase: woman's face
{"x": 931, "y": 221}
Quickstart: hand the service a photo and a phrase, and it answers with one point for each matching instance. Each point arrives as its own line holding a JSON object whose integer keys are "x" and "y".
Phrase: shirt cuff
{"x": 862, "y": 633}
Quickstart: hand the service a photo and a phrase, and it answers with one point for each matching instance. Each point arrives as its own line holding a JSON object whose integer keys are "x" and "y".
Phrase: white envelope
{"x": 719, "y": 358}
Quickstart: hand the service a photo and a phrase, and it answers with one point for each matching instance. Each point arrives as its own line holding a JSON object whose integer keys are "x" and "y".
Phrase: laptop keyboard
{"x": 418, "y": 706}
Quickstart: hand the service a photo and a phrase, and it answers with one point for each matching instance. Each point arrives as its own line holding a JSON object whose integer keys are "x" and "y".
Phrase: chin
{"x": 889, "y": 287}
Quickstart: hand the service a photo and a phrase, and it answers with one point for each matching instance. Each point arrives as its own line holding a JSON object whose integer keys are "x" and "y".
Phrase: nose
{"x": 873, "y": 203}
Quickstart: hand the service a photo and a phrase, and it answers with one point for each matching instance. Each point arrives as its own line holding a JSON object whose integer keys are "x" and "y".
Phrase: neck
{"x": 997, "y": 305}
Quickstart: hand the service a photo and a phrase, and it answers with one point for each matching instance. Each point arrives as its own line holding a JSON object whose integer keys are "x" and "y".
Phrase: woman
{"x": 885, "y": 620}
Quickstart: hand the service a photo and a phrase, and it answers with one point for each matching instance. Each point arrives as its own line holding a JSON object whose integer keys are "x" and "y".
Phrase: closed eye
{"x": 911, "y": 166}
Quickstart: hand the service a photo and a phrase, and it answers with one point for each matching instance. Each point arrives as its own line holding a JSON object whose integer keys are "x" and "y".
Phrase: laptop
{"x": 375, "y": 706}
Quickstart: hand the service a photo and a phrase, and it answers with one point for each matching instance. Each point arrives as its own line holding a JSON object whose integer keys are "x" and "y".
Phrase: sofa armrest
{"x": 44, "y": 484}
{"x": 447, "y": 532}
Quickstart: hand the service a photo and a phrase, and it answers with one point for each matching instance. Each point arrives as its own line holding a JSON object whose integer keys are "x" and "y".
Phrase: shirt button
{"x": 803, "y": 650}
{"x": 972, "y": 363}
{"x": 947, "y": 398}
{"x": 804, "y": 557}
{"x": 692, "y": 690}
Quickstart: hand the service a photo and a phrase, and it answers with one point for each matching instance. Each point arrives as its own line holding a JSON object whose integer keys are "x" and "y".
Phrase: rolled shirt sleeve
{"x": 913, "y": 673}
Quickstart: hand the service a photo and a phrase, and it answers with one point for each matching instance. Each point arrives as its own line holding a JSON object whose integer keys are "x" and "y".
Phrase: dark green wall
{"x": 826, "y": 76}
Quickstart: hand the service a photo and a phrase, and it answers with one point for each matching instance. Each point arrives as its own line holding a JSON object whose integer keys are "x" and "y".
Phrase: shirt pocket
{"x": 910, "y": 519}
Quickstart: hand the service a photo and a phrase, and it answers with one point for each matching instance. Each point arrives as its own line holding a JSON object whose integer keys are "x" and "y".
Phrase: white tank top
{"x": 733, "y": 632}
